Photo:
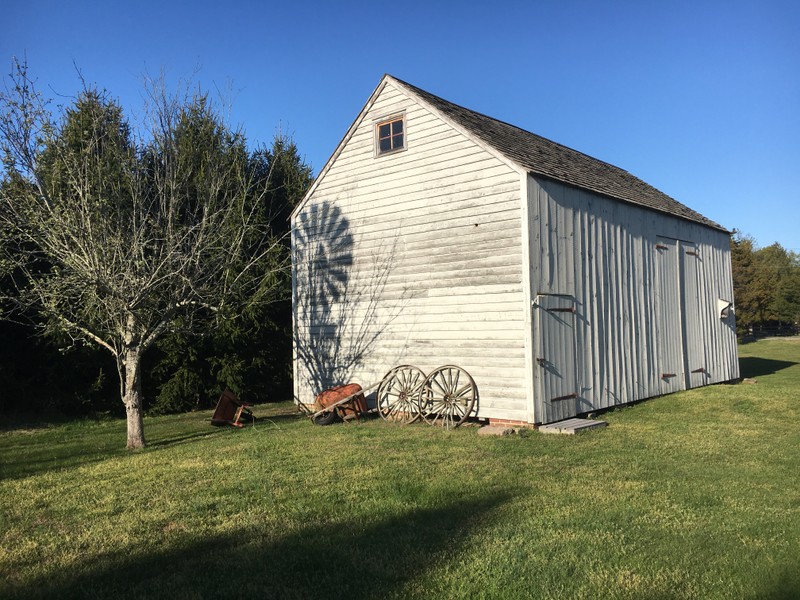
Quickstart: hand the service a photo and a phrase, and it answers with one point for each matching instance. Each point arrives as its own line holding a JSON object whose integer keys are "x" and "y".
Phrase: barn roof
{"x": 540, "y": 156}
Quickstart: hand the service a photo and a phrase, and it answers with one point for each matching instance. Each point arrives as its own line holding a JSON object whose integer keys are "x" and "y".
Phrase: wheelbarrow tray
{"x": 339, "y": 405}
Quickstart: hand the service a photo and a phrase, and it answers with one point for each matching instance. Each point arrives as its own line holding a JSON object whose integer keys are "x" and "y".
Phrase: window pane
{"x": 385, "y": 144}
{"x": 383, "y": 130}
{"x": 397, "y": 127}
{"x": 397, "y": 141}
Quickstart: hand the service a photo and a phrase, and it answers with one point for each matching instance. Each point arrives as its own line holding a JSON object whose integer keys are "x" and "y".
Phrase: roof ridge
{"x": 485, "y": 116}
{"x": 544, "y": 157}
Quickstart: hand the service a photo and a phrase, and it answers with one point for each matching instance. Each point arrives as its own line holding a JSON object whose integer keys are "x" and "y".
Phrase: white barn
{"x": 437, "y": 235}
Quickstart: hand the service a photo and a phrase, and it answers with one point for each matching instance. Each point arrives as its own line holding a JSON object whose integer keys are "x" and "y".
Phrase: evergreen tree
{"x": 746, "y": 296}
{"x": 251, "y": 352}
{"x": 116, "y": 242}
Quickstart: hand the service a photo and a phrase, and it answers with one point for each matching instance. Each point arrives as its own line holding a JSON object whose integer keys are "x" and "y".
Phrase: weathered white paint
{"x": 646, "y": 287}
{"x": 668, "y": 316}
{"x": 449, "y": 253}
{"x": 415, "y": 257}
{"x": 556, "y": 362}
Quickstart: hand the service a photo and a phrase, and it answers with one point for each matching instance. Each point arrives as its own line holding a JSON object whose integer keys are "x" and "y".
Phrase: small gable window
{"x": 390, "y": 135}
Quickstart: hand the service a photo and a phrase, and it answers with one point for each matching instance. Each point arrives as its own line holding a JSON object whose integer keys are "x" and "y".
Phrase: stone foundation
{"x": 511, "y": 423}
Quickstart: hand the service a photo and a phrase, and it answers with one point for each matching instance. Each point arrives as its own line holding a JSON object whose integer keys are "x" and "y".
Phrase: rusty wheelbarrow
{"x": 345, "y": 402}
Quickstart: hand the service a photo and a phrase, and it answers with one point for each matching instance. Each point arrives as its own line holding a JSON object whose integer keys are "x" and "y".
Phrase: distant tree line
{"x": 766, "y": 284}
{"x": 149, "y": 263}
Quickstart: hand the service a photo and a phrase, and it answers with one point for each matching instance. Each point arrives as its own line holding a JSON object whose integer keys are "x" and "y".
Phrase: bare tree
{"x": 113, "y": 239}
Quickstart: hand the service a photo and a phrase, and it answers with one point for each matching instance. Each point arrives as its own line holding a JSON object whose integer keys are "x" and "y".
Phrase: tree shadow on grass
{"x": 33, "y": 455}
{"x": 342, "y": 560}
{"x": 784, "y": 586}
{"x": 752, "y": 366}
{"x": 183, "y": 438}
{"x": 56, "y": 449}
{"x": 292, "y": 418}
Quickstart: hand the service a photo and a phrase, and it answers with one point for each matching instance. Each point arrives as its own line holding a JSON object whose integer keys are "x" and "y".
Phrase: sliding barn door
{"x": 669, "y": 321}
{"x": 693, "y": 334}
{"x": 681, "y": 350}
{"x": 555, "y": 359}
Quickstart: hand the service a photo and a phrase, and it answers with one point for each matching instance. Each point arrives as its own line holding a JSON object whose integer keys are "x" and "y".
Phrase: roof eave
{"x": 342, "y": 143}
{"x": 710, "y": 224}
{"x": 496, "y": 152}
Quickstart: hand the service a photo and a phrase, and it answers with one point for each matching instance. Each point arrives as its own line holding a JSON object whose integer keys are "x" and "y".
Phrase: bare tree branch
{"x": 115, "y": 237}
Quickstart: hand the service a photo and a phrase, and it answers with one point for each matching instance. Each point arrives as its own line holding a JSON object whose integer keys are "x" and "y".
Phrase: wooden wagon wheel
{"x": 398, "y": 394}
{"x": 447, "y": 396}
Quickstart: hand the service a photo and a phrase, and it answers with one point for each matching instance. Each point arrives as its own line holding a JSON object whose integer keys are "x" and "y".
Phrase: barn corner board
{"x": 437, "y": 235}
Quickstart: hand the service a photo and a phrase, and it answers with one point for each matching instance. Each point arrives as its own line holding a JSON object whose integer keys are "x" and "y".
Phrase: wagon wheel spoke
{"x": 433, "y": 411}
{"x": 393, "y": 413}
{"x": 448, "y": 396}
{"x": 416, "y": 383}
{"x": 401, "y": 379}
{"x": 438, "y": 408}
{"x": 464, "y": 391}
{"x": 442, "y": 389}
{"x": 397, "y": 394}
{"x": 433, "y": 415}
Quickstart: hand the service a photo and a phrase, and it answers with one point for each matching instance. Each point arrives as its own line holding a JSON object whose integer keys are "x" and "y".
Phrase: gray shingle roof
{"x": 540, "y": 156}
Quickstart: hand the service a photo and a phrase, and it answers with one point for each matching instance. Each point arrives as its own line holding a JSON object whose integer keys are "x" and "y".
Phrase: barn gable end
{"x": 413, "y": 257}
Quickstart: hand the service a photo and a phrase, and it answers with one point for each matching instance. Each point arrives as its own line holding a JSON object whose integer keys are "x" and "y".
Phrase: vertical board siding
{"x": 555, "y": 362}
{"x": 630, "y": 330}
{"x": 694, "y": 330}
{"x": 412, "y": 258}
{"x": 668, "y": 322}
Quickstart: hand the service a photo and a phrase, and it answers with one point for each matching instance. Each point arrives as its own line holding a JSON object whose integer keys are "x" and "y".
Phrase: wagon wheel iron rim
{"x": 398, "y": 394}
{"x": 448, "y": 396}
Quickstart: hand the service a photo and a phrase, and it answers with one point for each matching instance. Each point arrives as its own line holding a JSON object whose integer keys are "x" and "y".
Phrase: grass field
{"x": 693, "y": 495}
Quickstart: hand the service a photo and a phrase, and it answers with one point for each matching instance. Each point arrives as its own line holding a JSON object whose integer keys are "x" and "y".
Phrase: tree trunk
{"x": 132, "y": 398}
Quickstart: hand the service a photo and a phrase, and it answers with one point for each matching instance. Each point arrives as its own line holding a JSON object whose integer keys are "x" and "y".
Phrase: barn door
{"x": 555, "y": 362}
{"x": 693, "y": 343}
{"x": 669, "y": 326}
{"x": 681, "y": 348}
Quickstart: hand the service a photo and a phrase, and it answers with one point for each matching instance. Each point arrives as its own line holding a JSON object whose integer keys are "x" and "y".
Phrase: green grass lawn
{"x": 693, "y": 495}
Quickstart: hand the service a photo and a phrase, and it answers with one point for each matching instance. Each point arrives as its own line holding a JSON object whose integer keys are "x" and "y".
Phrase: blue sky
{"x": 700, "y": 99}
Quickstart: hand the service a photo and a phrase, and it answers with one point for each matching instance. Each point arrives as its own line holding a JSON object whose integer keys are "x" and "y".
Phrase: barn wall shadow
{"x": 341, "y": 309}
{"x": 344, "y": 560}
{"x": 752, "y": 366}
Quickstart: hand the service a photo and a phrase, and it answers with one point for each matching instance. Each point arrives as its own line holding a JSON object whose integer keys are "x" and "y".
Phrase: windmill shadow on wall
{"x": 341, "y": 302}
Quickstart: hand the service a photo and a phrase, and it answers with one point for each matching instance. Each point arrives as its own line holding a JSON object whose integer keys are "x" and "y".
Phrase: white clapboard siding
{"x": 557, "y": 300}
{"x": 414, "y": 257}
{"x": 604, "y": 254}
